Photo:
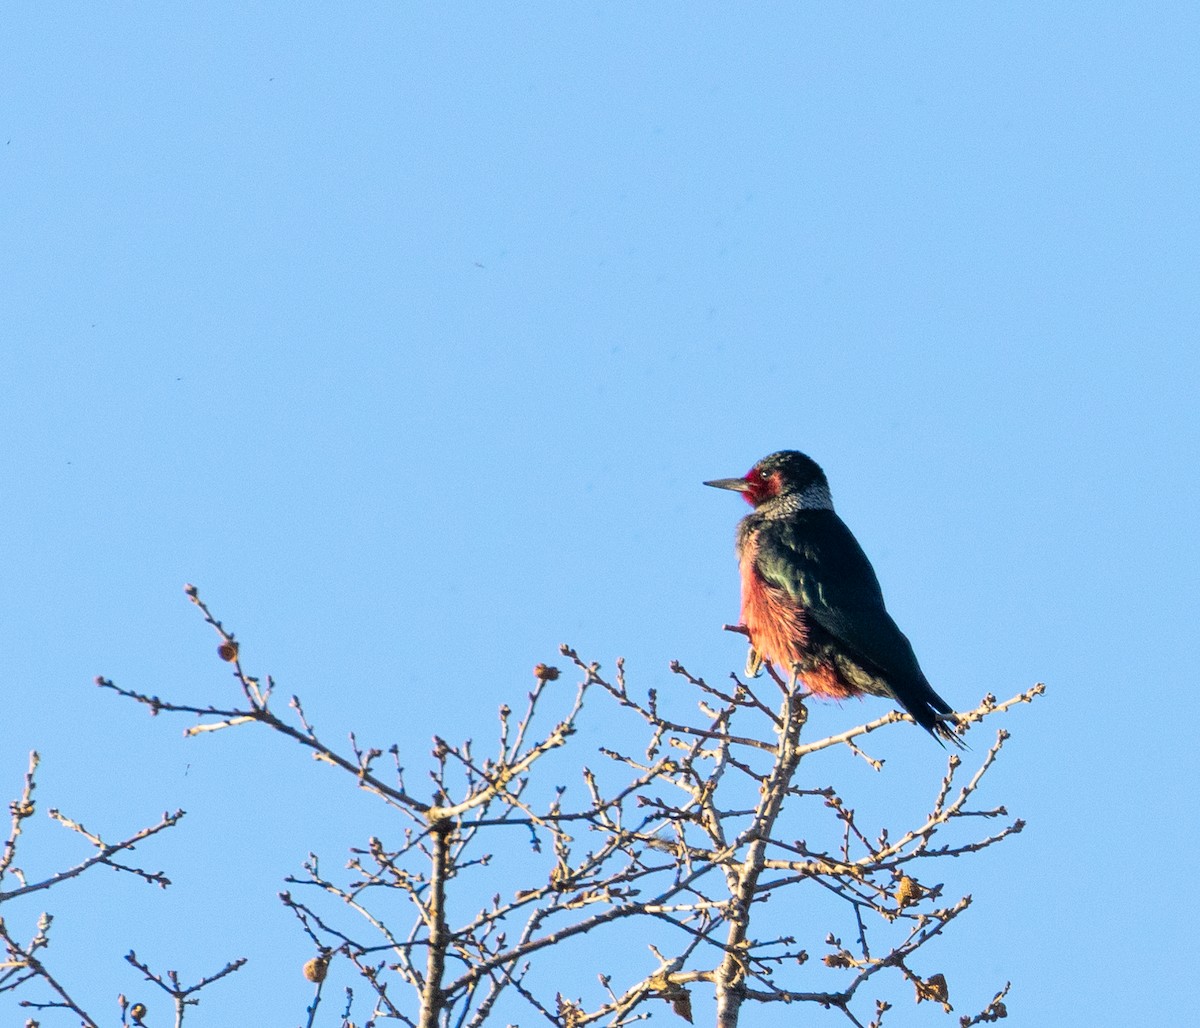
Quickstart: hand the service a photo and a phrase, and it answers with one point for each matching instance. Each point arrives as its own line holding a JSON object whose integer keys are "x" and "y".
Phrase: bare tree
{"x": 697, "y": 817}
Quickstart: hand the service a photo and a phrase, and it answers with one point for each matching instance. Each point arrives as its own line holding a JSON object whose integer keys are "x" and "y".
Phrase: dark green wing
{"x": 817, "y": 560}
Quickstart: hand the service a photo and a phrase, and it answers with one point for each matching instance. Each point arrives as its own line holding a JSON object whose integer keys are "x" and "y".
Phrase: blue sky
{"x": 408, "y": 334}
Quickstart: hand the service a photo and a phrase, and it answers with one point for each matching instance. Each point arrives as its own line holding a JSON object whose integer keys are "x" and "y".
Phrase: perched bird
{"x": 810, "y": 600}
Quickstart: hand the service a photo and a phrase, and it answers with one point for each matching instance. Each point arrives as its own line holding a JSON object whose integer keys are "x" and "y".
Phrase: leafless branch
{"x": 182, "y": 996}
{"x": 23, "y": 966}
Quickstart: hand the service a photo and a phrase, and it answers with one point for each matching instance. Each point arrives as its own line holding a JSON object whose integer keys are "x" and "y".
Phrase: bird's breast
{"x": 776, "y": 623}
{"x": 779, "y": 631}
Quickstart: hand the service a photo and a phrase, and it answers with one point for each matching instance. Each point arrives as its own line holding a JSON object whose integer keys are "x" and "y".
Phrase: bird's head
{"x": 787, "y": 473}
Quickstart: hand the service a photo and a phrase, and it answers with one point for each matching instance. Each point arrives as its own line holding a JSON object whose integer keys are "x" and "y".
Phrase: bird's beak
{"x": 738, "y": 485}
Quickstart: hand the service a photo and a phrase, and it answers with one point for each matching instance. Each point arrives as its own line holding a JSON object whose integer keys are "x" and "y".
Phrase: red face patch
{"x": 761, "y": 487}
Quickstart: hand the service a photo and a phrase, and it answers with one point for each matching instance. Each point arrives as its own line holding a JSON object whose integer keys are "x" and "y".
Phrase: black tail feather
{"x": 933, "y": 714}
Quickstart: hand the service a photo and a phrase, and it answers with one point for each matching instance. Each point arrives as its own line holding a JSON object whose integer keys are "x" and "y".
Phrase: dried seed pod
{"x": 681, "y": 1004}
{"x": 934, "y": 988}
{"x": 316, "y": 968}
{"x": 908, "y": 891}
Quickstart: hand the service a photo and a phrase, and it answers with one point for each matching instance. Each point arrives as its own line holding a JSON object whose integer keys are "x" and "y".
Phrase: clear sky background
{"x": 408, "y": 334}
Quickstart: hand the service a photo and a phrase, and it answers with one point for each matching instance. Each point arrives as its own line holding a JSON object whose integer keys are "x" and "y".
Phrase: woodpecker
{"x": 811, "y": 603}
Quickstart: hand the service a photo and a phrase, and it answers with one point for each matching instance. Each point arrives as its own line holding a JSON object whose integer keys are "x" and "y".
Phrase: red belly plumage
{"x": 779, "y": 633}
